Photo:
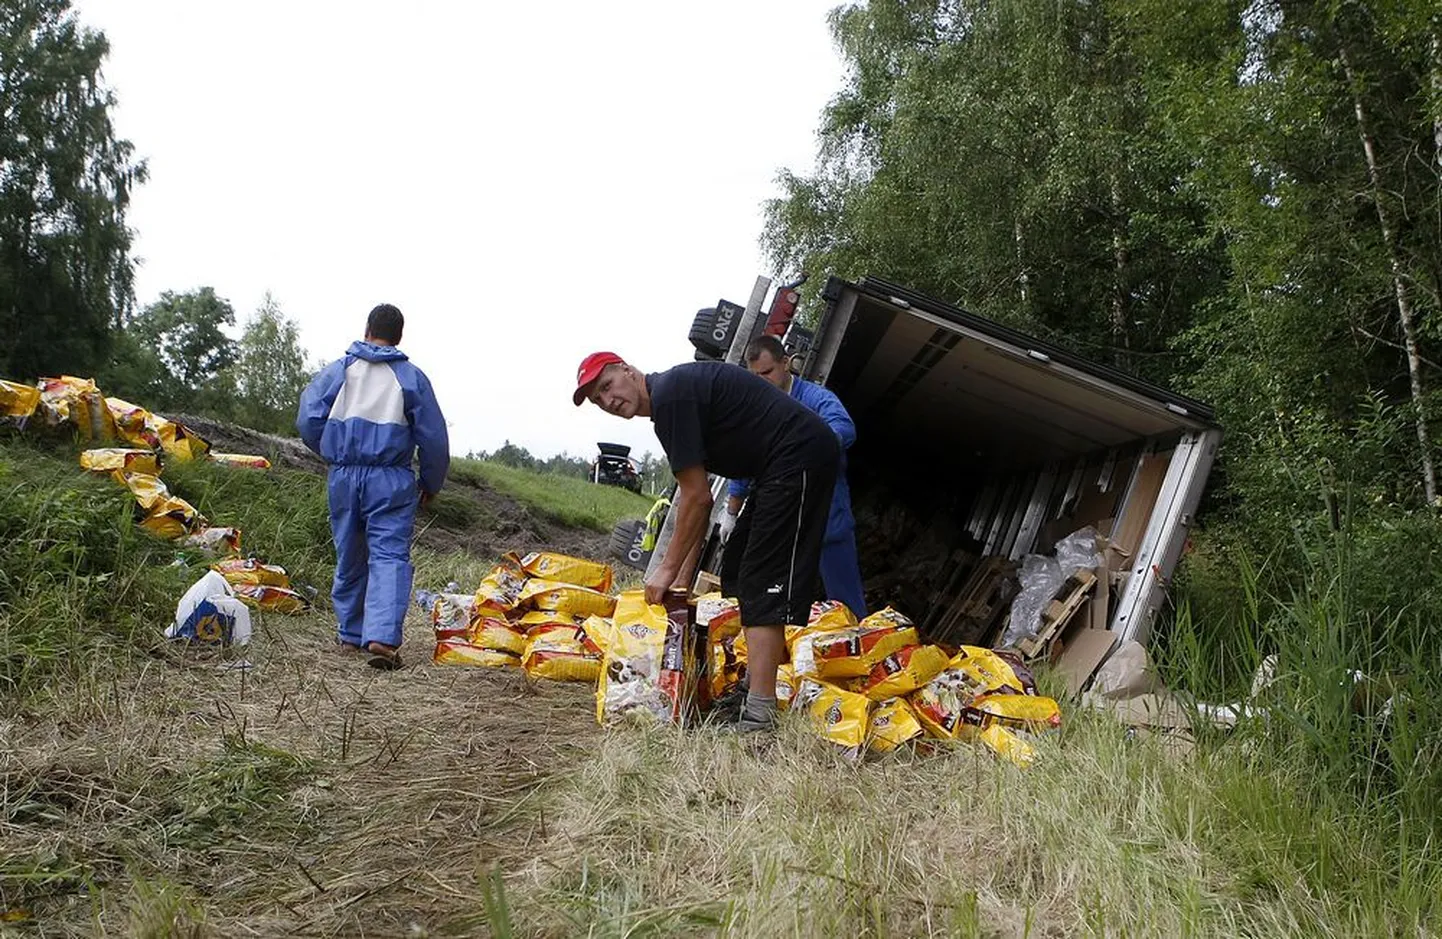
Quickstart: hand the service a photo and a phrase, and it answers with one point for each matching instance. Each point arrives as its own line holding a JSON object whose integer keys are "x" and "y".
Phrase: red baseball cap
{"x": 590, "y": 370}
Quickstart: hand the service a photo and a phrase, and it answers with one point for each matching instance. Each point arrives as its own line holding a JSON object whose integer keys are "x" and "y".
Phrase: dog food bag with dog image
{"x": 634, "y": 641}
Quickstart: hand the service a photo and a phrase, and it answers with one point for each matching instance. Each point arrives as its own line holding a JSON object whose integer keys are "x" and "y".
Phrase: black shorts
{"x": 772, "y": 559}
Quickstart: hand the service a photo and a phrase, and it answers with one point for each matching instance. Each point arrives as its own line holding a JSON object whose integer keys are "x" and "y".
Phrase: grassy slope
{"x": 566, "y": 499}
{"x": 156, "y": 796}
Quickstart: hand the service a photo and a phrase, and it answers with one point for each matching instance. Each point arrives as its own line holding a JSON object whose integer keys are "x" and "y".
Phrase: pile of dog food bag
{"x": 867, "y": 685}
{"x": 133, "y": 446}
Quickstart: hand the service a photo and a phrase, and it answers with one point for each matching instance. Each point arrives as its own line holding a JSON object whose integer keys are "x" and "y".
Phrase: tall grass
{"x": 663, "y": 833}
{"x": 565, "y": 499}
{"x": 76, "y": 574}
{"x": 1350, "y": 724}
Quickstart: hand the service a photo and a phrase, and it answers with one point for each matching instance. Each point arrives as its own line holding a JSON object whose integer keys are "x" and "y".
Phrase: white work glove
{"x": 728, "y": 524}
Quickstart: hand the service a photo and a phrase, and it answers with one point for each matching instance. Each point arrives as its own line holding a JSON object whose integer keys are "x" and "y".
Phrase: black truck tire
{"x": 700, "y": 335}
{"x": 625, "y": 543}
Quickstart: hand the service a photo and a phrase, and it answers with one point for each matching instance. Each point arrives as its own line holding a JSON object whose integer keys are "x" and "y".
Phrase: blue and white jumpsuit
{"x": 367, "y": 414}
{"x": 840, "y": 567}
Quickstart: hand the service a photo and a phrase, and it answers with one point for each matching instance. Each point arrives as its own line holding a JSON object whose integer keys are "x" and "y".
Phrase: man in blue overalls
{"x": 367, "y": 414}
{"x": 840, "y": 569}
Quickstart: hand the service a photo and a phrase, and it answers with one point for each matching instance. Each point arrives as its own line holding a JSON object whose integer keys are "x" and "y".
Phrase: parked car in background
{"x": 614, "y": 467}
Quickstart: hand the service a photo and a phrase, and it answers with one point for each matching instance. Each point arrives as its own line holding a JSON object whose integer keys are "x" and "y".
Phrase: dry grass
{"x": 311, "y": 796}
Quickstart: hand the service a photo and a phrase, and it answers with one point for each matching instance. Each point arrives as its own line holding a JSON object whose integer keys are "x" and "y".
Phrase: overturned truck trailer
{"x": 977, "y": 445}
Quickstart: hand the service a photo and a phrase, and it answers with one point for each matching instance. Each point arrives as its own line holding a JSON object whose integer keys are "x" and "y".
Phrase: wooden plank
{"x": 1099, "y": 608}
{"x": 1137, "y": 511}
{"x": 977, "y": 602}
{"x": 1064, "y": 605}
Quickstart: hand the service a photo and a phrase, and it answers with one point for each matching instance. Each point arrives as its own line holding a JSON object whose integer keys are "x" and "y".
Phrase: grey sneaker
{"x": 727, "y": 708}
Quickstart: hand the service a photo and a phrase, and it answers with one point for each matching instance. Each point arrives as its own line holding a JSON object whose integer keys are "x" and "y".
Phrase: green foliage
{"x": 65, "y": 183}
{"x": 570, "y": 501}
{"x": 174, "y": 352}
{"x": 270, "y": 373}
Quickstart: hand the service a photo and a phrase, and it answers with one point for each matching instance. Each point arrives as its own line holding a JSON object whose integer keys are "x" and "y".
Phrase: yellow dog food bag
{"x": 565, "y": 569}
{"x": 566, "y": 598}
{"x": 893, "y": 722}
{"x": 120, "y": 460}
{"x": 558, "y": 653}
{"x": 904, "y": 671}
{"x": 460, "y": 652}
{"x": 836, "y": 714}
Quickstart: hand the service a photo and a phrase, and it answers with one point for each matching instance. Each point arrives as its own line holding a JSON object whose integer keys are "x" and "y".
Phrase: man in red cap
{"x": 712, "y": 417}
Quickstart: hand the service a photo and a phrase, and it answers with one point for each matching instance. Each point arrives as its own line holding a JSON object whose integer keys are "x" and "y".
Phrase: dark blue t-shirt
{"x": 735, "y": 424}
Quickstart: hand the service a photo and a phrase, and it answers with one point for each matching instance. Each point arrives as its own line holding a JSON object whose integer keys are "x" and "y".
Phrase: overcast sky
{"x": 527, "y": 182}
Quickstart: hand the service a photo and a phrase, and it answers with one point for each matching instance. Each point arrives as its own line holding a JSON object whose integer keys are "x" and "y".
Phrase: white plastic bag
{"x": 210, "y": 613}
{"x": 1039, "y": 577}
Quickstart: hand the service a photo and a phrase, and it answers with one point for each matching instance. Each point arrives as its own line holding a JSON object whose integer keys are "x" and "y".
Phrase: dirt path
{"x": 308, "y": 795}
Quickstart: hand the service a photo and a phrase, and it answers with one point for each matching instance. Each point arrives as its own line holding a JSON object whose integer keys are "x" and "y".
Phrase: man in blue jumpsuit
{"x": 367, "y": 414}
{"x": 840, "y": 569}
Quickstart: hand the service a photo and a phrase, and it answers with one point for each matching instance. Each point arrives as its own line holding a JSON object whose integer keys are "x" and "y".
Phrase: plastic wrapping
{"x": 214, "y": 540}
{"x": 17, "y": 403}
{"x": 120, "y": 460}
{"x": 1078, "y": 551}
{"x": 1041, "y": 576}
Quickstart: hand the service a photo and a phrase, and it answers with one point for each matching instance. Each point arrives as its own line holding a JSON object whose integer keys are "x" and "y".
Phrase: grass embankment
{"x": 570, "y": 501}
{"x": 158, "y": 795}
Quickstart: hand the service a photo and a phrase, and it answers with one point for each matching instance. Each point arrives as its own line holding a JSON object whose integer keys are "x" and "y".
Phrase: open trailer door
{"x": 999, "y": 444}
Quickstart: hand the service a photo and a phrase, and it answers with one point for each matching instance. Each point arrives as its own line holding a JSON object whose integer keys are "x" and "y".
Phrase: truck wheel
{"x": 626, "y": 543}
{"x": 700, "y": 335}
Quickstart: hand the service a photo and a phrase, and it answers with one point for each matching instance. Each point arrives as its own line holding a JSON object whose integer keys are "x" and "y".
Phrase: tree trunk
{"x": 1400, "y": 287}
{"x": 1437, "y": 95}
{"x": 1120, "y": 259}
{"x": 1023, "y": 278}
